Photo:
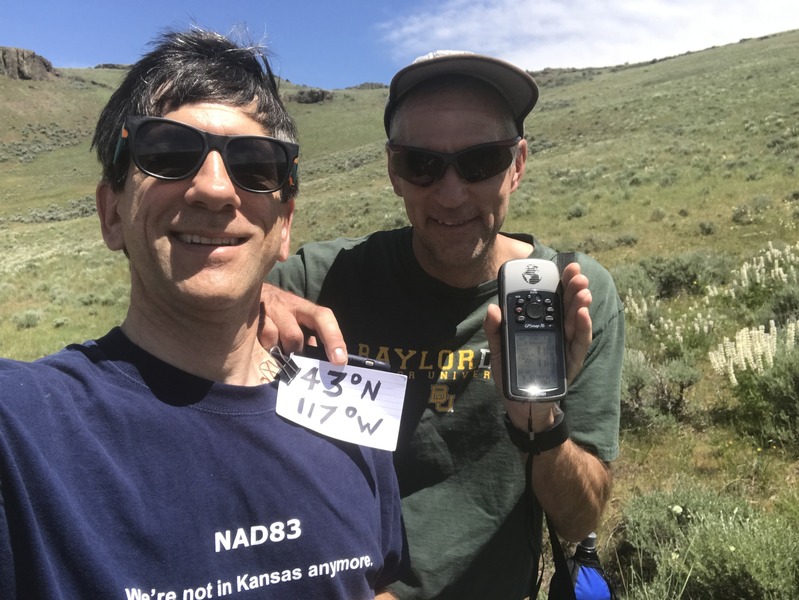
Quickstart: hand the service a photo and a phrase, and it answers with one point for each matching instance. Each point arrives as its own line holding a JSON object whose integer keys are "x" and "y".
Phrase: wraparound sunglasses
{"x": 422, "y": 167}
{"x": 170, "y": 150}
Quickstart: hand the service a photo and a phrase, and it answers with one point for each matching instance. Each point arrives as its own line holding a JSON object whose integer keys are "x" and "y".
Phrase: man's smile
{"x": 209, "y": 241}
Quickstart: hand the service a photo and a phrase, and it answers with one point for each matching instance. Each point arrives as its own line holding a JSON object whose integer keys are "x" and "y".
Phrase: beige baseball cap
{"x": 516, "y": 85}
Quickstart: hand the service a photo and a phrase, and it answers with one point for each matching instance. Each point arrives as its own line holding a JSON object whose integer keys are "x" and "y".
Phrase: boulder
{"x": 17, "y": 63}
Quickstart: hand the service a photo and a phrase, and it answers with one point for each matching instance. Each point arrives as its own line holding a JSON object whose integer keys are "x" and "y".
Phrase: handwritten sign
{"x": 353, "y": 404}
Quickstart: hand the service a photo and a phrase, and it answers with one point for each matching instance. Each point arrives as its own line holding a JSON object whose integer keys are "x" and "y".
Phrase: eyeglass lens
{"x": 170, "y": 150}
{"x": 423, "y": 167}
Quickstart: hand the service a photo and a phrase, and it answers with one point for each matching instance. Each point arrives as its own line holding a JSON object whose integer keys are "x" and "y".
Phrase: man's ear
{"x": 107, "y": 202}
{"x": 285, "y": 231}
{"x": 519, "y": 164}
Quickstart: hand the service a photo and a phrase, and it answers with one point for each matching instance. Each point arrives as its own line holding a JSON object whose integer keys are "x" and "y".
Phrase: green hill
{"x": 672, "y": 173}
{"x": 628, "y": 160}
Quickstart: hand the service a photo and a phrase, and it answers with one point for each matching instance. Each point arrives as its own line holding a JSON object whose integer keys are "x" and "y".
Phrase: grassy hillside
{"x": 702, "y": 133}
{"x": 672, "y": 173}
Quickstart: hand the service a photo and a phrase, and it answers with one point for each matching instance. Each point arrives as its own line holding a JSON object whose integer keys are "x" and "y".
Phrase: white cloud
{"x": 579, "y": 33}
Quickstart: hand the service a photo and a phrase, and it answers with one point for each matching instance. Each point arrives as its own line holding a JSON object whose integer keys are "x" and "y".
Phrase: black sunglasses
{"x": 171, "y": 150}
{"x": 422, "y": 167}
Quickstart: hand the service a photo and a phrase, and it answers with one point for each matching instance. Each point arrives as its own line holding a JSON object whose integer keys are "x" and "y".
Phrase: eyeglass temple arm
{"x": 122, "y": 144}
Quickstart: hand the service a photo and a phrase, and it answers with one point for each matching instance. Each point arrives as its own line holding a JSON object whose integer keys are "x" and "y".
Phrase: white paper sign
{"x": 353, "y": 404}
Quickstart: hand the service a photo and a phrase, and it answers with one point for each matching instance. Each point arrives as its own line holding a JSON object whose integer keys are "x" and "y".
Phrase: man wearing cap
{"x": 424, "y": 298}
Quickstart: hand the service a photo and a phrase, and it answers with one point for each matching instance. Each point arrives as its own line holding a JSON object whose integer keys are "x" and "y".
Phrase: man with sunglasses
{"x": 150, "y": 463}
{"x": 424, "y": 298}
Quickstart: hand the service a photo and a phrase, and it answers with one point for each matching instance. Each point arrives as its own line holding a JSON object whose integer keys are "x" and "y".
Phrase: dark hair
{"x": 192, "y": 66}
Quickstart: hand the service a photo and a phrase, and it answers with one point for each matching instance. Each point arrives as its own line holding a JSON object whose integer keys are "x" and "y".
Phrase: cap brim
{"x": 514, "y": 84}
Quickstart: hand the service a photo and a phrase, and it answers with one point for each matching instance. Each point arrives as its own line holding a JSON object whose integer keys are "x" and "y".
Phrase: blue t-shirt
{"x": 123, "y": 477}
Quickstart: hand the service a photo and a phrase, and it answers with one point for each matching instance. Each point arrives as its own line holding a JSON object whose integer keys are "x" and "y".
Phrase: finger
{"x": 576, "y": 295}
{"x": 290, "y": 334}
{"x": 577, "y": 327}
{"x": 577, "y": 347}
{"x": 323, "y": 323}
{"x": 293, "y": 316}
{"x": 573, "y": 283}
{"x": 268, "y": 334}
{"x": 569, "y": 271}
{"x": 520, "y": 413}
{"x": 278, "y": 327}
{"x": 572, "y": 324}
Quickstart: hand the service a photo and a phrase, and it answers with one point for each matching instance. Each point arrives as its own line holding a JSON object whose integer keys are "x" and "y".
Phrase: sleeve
{"x": 7, "y": 575}
{"x": 593, "y": 404}
{"x": 396, "y": 559}
{"x": 7, "y": 557}
{"x": 290, "y": 275}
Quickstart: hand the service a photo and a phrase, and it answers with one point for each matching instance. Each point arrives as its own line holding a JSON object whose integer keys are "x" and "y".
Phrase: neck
{"x": 216, "y": 345}
{"x": 479, "y": 270}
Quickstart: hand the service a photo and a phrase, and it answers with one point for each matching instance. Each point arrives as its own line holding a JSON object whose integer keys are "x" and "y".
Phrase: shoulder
{"x": 12, "y": 371}
{"x": 63, "y": 369}
{"x": 372, "y": 241}
{"x": 304, "y": 271}
{"x": 607, "y": 309}
{"x": 599, "y": 277}
{"x": 42, "y": 370}
{"x": 30, "y": 393}
{"x": 606, "y": 304}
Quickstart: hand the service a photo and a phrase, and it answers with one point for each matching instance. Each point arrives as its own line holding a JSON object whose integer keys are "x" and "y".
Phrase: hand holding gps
{"x": 533, "y": 348}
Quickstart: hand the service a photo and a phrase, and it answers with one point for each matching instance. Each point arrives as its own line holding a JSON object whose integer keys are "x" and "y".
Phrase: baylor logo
{"x": 440, "y": 398}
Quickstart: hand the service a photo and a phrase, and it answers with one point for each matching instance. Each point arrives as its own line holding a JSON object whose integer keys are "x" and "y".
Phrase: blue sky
{"x": 329, "y": 44}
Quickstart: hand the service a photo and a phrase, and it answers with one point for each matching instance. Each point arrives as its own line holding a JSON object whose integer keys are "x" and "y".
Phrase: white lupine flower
{"x": 731, "y": 374}
{"x": 753, "y": 349}
{"x": 772, "y": 342}
{"x": 744, "y": 276}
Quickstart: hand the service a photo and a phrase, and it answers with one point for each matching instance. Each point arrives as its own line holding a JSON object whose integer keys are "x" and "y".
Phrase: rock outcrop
{"x": 17, "y": 63}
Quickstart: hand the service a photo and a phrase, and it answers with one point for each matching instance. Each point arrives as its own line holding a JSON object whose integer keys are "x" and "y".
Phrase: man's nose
{"x": 212, "y": 186}
{"x": 451, "y": 188}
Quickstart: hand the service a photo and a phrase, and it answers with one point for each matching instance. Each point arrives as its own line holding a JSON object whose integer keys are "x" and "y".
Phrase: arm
{"x": 573, "y": 487}
{"x": 284, "y": 316}
{"x": 293, "y": 286}
{"x": 571, "y": 484}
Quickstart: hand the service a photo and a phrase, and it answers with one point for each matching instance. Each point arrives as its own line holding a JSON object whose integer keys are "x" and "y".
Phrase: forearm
{"x": 572, "y": 486}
